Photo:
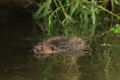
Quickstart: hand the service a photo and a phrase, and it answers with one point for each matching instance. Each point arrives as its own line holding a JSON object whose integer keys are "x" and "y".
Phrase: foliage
{"x": 76, "y": 17}
{"x": 115, "y": 29}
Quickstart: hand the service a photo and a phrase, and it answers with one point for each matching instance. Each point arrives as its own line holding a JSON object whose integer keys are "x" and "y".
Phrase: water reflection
{"x": 17, "y": 62}
{"x": 113, "y": 65}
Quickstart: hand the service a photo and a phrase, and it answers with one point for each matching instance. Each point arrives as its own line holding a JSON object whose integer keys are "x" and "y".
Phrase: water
{"x": 113, "y": 65}
{"x": 18, "y": 63}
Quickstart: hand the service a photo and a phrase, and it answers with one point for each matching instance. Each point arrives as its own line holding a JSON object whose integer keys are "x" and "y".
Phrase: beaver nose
{"x": 34, "y": 50}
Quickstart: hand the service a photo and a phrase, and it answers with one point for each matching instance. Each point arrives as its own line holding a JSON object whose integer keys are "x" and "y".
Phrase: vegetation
{"x": 77, "y": 17}
{"x": 115, "y": 29}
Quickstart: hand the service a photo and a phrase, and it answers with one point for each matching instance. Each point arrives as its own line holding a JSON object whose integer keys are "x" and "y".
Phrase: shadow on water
{"x": 15, "y": 44}
{"x": 17, "y": 62}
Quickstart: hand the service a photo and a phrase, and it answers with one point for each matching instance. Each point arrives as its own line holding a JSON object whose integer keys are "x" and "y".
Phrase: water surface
{"x": 18, "y": 63}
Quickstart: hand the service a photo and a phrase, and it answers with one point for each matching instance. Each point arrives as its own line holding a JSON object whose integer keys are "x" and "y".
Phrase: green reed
{"x": 72, "y": 17}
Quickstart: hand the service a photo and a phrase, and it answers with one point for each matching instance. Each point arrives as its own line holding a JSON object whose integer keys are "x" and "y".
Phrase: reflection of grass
{"x": 108, "y": 61}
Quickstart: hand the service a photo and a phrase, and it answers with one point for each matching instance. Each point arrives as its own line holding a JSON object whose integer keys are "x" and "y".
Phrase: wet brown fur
{"x": 59, "y": 45}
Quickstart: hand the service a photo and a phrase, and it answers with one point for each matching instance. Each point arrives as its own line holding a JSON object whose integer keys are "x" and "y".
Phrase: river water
{"x": 18, "y": 63}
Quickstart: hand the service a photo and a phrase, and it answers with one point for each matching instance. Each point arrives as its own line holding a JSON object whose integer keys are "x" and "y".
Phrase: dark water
{"x": 17, "y": 62}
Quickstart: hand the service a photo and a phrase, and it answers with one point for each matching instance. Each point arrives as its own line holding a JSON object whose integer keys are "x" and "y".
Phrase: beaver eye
{"x": 52, "y": 48}
{"x": 41, "y": 48}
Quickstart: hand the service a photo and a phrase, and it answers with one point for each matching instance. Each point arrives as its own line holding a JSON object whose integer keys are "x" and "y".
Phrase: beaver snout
{"x": 35, "y": 50}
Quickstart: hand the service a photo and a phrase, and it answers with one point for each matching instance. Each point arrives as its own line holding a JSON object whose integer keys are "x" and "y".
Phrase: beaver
{"x": 59, "y": 45}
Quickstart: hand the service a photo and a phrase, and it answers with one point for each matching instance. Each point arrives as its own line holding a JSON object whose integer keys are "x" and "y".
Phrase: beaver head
{"x": 45, "y": 48}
